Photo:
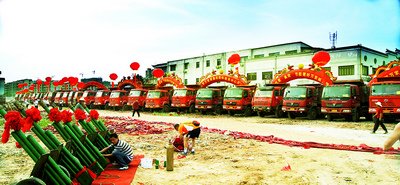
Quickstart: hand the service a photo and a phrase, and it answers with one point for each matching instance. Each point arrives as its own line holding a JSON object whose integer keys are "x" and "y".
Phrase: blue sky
{"x": 43, "y": 38}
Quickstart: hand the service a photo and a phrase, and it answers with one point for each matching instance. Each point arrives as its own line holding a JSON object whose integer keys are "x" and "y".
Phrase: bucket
{"x": 146, "y": 163}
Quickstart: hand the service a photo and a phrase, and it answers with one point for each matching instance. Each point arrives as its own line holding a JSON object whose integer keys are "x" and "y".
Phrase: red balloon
{"x": 113, "y": 76}
{"x": 321, "y": 58}
{"x": 39, "y": 81}
{"x": 135, "y": 65}
{"x": 48, "y": 79}
{"x": 158, "y": 73}
{"x": 234, "y": 59}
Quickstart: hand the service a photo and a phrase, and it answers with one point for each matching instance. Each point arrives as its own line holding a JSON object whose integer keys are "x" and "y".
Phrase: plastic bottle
{"x": 170, "y": 157}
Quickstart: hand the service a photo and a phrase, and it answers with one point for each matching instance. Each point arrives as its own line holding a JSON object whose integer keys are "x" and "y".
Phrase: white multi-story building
{"x": 260, "y": 64}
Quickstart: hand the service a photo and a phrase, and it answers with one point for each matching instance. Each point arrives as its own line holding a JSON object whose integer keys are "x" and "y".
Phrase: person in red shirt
{"x": 378, "y": 118}
{"x": 189, "y": 129}
{"x": 136, "y": 108}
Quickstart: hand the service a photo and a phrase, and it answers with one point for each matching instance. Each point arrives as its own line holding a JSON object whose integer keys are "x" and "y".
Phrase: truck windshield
{"x": 134, "y": 93}
{"x": 336, "y": 92}
{"x": 263, "y": 93}
{"x": 180, "y": 92}
{"x": 295, "y": 93}
{"x": 233, "y": 93}
{"x": 153, "y": 94}
{"x": 99, "y": 93}
{"x": 114, "y": 94}
{"x": 204, "y": 93}
{"x": 385, "y": 89}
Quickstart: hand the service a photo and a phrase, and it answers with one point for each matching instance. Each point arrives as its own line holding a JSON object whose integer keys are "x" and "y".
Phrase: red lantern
{"x": 31, "y": 87}
{"x": 158, "y": 73}
{"x": 321, "y": 58}
{"x": 135, "y": 66}
{"x": 234, "y": 59}
{"x": 74, "y": 81}
{"x": 48, "y": 79}
{"x": 39, "y": 82}
{"x": 81, "y": 85}
{"x": 113, "y": 76}
{"x": 47, "y": 83}
{"x": 55, "y": 83}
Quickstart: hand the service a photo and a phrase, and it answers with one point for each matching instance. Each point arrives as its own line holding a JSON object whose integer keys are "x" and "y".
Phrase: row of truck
{"x": 346, "y": 99}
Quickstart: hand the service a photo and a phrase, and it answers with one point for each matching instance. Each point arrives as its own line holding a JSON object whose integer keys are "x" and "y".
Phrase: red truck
{"x": 88, "y": 98}
{"x": 64, "y": 98}
{"x": 101, "y": 100}
{"x": 184, "y": 99}
{"x": 238, "y": 100}
{"x": 138, "y": 95}
{"x": 348, "y": 99}
{"x": 119, "y": 99}
{"x": 387, "y": 91}
{"x": 77, "y": 96}
{"x": 158, "y": 99}
{"x": 269, "y": 100}
{"x": 58, "y": 97}
{"x": 303, "y": 100}
{"x": 210, "y": 99}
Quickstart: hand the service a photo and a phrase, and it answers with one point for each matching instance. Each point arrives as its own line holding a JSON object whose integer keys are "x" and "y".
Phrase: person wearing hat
{"x": 189, "y": 129}
{"x": 378, "y": 118}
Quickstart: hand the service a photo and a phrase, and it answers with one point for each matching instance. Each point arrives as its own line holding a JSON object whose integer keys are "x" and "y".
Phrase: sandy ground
{"x": 221, "y": 159}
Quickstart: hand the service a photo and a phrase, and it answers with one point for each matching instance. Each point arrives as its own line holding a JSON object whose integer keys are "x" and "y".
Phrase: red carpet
{"x": 112, "y": 176}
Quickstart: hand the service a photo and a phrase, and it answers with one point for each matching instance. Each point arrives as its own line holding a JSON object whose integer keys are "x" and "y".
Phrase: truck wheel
{"x": 166, "y": 108}
{"x": 312, "y": 114}
{"x": 91, "y": 105}
{"x": 192, "y": 109}
{"x": 329, "y": 117}
{"x": 355, "y": 117}
{"x": 218, "y": 110}
{"x": 261, "y": 113}
{"x": 291, "y": 115}
{"x": 278, "y": 112}
{"x": 248, "y": 111}
{"x": 231, "y": 113}
{"x": 31, "y": 181}
{"x": 203, "y": 112}
{"x": 368, "y": 117}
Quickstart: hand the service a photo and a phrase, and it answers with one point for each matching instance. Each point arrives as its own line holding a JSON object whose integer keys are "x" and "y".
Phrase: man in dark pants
{"x": 378, "y": 118}
{"x": 122, "y": 153}
{"x": 136, "y": 108}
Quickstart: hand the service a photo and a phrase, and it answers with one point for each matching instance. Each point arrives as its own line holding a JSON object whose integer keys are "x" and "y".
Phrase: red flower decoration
{"x": 13, "y": 121}
{"x": 234, "y": 59}
{"x": 94, "y": 114}
{"x": 135, "y": 65}
{"x": 66, "y": 116}
{"x": 55, "y": 115}
{"x": 32, "y": 115}
{"x": 158, "y": 73}
{"x": 113, "y": 76}
{"x": 321, "y": 58}
{"x": 80, "y": 115}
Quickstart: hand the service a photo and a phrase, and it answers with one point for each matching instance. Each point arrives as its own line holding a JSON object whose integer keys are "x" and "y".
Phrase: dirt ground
{"x": 221, "y": 159}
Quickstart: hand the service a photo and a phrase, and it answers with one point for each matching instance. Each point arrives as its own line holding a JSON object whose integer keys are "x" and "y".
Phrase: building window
{"x": 383, "y": 63}
{"x": 273, "y": 54}
{"x": 365, "y": 58}
{"x": 365, "y": 70}
{"x": 267, "y": 75}
{"x": 185, "y": 81}
{"x": 207, "y": 63}
{"x": 172, "y": 67}
{"x": 218, "y": 62}
{"x": 197, "y": 80}
{"x": 252, "y": 76}
{"x": 375, "y": 60}
{"x": 346, "y": 70}
{"x": 374, "y": 70}
{"x": 291, "y": 52}
{"x": 185, "y": 66}
{"x": 259, "y": 56}
{"x": 197, "y": 64}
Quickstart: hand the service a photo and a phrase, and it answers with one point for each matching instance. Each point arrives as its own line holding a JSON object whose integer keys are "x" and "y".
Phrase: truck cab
{"x": 269, "y": 99}
{"x": 64, "y": 98}
{"x": 138, "y": 95}
{"x": 88, "y": 98}
{"x": 184, "y": 99}
{"x": 209, "y": 99}
{"x": 77, "y": 96}
{"x": 158, "y": 99}
{"x": 304, "y": 100}
{"x": 345, "y": 100}
{"x": 387, "y": 91}
{"x": 101, "y": 99}
{"x": 238, "y": 100}
{"x": 57, "y": 98}
{"x": 118, "y": 99}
